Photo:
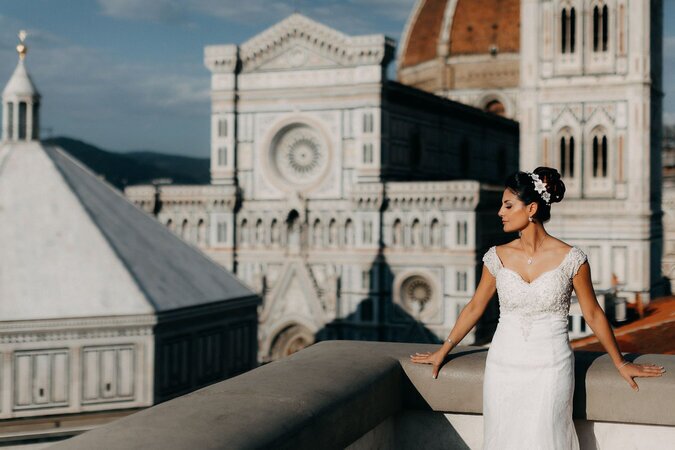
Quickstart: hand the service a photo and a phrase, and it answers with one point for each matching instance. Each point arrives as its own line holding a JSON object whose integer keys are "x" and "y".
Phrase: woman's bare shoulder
{"x": 560, "y": 245}
{"x": 513, "y": 245}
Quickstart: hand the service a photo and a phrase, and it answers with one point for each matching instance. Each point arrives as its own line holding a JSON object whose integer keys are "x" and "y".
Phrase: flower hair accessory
{"x": 540, "y": 187}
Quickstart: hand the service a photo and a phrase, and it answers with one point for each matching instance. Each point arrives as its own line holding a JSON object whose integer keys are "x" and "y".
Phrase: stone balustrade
{"x": 358, "y": 395}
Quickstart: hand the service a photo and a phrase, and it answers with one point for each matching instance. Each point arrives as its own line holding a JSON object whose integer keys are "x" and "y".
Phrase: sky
{"x": 129, "y": 74}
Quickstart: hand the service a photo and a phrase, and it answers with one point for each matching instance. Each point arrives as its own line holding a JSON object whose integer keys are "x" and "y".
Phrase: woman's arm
{"x": 596, "y": 319}
{"x": 465, "y": 322}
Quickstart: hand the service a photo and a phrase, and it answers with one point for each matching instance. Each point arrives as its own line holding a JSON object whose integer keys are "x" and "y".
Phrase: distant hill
{"x": 137, "y": 167}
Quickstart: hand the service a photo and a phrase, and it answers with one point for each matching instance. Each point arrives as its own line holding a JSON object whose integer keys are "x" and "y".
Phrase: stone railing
{"x": 359, "y": 395}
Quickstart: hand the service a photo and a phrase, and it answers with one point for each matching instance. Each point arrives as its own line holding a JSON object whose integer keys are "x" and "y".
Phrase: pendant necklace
{"x": 529, "y": 259}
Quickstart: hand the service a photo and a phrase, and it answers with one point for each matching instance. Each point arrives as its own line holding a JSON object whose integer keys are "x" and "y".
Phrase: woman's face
{"x": 513, "y": 212}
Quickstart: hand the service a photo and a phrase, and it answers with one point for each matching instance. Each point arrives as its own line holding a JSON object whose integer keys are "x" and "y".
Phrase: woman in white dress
{"x": 529, "y": 372}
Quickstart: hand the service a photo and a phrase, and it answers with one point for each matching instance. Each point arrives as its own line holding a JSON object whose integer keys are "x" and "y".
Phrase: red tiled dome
{"x": 476, "y": 26}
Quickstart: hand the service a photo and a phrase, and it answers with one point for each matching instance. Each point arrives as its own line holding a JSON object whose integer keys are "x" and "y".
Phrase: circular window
{"x": 416, "y": 295}
{"x": 299, "y": 154}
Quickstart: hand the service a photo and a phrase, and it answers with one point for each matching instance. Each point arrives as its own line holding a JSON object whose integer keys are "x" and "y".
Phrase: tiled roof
{"x": 654, "y": 333}
{"x": 476, "y": 25}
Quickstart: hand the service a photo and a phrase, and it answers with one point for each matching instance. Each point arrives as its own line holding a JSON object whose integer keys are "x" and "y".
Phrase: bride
{"x": 529, "y": 371}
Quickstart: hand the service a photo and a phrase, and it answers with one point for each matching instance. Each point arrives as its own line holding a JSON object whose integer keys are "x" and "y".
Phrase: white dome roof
{"x": 20, "y": 84}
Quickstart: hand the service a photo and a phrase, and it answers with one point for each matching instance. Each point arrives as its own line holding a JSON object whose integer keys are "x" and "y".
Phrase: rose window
{"x": 417, "y": 297}
{"x": 299, "y": 154}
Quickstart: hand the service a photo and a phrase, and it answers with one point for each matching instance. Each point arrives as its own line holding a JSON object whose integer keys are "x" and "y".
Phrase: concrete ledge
{"x": 334, "y": 392}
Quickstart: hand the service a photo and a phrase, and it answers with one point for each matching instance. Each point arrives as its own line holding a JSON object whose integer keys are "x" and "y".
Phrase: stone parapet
{"x": 336, "y": 394}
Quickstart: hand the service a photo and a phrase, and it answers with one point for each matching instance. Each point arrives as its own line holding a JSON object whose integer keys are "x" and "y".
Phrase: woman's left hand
{"x": 631, "y": 370}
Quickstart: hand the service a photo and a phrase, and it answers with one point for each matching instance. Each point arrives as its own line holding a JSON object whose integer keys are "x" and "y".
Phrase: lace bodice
{"x": 549, "y": 293}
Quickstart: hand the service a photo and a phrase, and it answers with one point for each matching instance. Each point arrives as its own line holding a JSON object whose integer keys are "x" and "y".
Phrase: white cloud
{"x": 164, "y": 11}
{"x": 90, "y": 94}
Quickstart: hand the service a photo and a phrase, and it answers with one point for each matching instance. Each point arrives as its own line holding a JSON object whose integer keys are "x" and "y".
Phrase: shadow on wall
{"x": 378, "y": 317}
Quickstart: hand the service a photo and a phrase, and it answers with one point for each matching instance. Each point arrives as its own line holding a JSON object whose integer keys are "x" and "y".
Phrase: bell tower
{"x": 20, "y": 102}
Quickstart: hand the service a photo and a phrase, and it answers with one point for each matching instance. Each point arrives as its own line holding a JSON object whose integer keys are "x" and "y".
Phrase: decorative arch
{"x": 259, "y": 232}
{"x": 274, "y": 232}
{"x": 201, "y": 231}
{"x": 566, "y": 148}
{"x": 185, "y": 229}
{"x": 599, "y": 149}
{"x": 317, "y": 233}
{"x": 397, "y": 233}
{"x": 569, "y": 18}
{"x": 243, "y": 232}
{"x": 332, "y": 232}
{"x": 349, "y": 233}
{"x": 496, "y": 103}
{"x": 415, "y": 233}
{"x": 435, "y": 236}
{"x": 600, "y": 26}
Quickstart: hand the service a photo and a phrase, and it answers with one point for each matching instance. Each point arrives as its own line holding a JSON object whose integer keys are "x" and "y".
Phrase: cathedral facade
{"x": 355, "y": 205}
{"x": 358, "y": 207}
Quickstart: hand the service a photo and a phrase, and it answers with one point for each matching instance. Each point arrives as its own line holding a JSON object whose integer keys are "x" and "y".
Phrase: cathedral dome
{"x": 463, "y": 27}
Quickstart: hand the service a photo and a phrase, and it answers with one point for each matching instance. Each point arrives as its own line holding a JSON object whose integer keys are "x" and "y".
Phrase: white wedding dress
{"x": 529, "y": 371}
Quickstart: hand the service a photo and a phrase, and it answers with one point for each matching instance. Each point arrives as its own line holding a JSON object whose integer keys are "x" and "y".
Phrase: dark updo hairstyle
{"x": 522, "y": 184}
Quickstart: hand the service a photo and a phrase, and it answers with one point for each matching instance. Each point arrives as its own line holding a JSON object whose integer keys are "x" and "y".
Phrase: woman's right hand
{"x": 435, "y": 359}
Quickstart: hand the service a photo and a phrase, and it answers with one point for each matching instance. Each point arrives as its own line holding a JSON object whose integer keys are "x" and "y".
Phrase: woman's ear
{"x": 532, "y": 208}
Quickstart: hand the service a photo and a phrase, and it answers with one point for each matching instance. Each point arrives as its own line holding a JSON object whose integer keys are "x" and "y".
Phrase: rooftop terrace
{"x": 358, "y": 395}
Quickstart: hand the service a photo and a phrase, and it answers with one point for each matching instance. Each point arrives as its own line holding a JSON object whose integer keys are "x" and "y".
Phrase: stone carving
{"x": 299, "y": 154}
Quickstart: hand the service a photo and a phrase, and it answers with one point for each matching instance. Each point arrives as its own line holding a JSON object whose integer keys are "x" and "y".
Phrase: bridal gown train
{"x": 529, "y": 371}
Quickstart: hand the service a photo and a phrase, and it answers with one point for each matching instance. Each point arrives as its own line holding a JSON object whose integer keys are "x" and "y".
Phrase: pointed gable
{"x": 299, "y": 41}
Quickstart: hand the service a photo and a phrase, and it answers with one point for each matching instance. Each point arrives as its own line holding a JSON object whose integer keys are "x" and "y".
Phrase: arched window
{"x": 184, "y": 229}
{"x": 397, "y": 233}
{"x": 600, "y": 28}
{"x": 349, "y": 232}
{"x": 573, "y": 28}
{"x": 563, "y": 31}
{"x": 435, "y": 233}
{"x": 293, "y": 229}
{"x": 243, "y": 232}
{"x": 274, "y": 232}
{"x": 567, "y": 154}
{"x": 416, "y": 233}
{"x": 259, "y": 232}
{"x": 317, "y": 234}
{"x": 568, "y": 19}
{"x": 599, "y": 164}
{"x": 332, "y": 232}
{"x": 169, "y": 224}
{"x": 201, "y": 231}
{"x": 605, "y": 27}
